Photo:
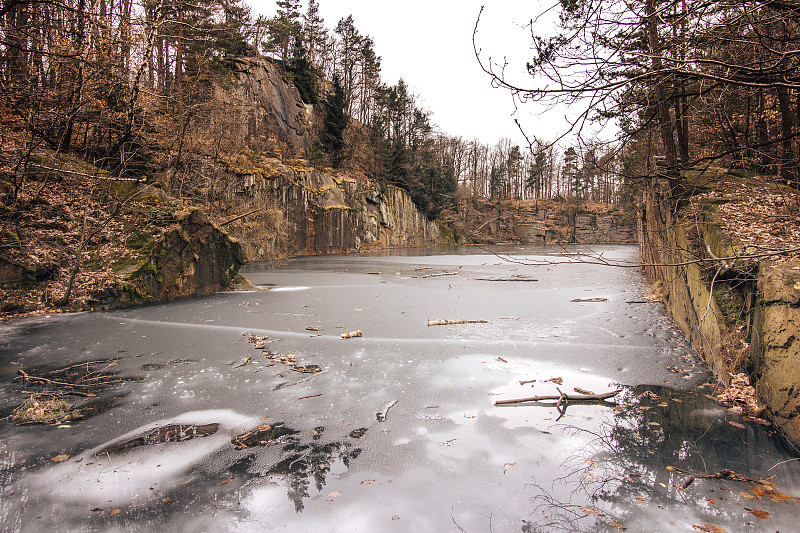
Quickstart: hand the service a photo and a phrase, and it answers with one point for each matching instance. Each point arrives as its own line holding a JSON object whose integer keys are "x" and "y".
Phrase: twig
{"x": 786, "y": 461}
{"x": 309, "y": 396}
{"x": 506, "y": 279}
{"x": 239, "y": 217}
{"x": 452, "y": 322}
{"x": 441, "y": 274}
{"x": 570, "y": 397}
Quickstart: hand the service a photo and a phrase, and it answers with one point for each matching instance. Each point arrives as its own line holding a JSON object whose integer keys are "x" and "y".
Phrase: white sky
{"x": 429, "y": 44}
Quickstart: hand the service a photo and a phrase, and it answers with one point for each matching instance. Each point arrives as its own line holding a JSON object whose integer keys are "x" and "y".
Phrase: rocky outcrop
{"x": 193, "y": 257}
{"x": 741, "y": 314}
{"x": 547, "y": 222}
{"x": 260, "y": 110}
{"x": 323, "y": 213}
{"x": 775, "y": 343}
{"x": 585, "y": 228}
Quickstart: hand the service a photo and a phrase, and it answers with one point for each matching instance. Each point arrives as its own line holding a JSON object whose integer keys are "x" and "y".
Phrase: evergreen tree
{"x": 284, "y": 28}
{"x": 305, "y": 79}
{"x": 336, "y": 120}
{"x": 314, "y": 32}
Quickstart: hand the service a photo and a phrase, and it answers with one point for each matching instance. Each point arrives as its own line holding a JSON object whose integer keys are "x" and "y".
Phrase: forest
{"x": 119, "y": 83}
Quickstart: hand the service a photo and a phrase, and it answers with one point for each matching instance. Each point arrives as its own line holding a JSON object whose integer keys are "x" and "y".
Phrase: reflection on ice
{"x": 123, "y": 474}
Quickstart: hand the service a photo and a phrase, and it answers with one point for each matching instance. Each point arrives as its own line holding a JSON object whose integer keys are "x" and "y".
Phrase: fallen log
{"x": 452, "y": 322}
{"x": 561, "y": 397}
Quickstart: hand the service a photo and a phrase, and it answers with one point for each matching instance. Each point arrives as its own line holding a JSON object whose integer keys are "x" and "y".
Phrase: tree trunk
{"x": 662, "y": 103}
{"x": 788, "y": 164}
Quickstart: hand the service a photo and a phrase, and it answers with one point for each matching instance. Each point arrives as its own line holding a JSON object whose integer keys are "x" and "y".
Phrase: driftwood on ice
{"x": 452, "y": 322}
{"x": 562, "y": 397}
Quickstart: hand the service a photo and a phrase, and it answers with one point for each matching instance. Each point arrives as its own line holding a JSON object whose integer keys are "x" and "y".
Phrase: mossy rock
{"x": 139, "y": 240}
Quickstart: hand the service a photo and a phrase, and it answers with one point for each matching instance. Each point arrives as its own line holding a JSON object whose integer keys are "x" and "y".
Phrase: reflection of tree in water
{"x": 620, "y": 475}
{"x": 305, "y": 461}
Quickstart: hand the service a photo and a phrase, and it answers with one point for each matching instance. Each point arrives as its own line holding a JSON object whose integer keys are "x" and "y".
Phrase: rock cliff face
{"x": 328, "y": 214}
{"x": 192, "y": 258}
{"x": 547, "y": 222}
{"x": 721, "y": 304}
{"x": 261, "y": 110}
{"x": 588, "y": 228}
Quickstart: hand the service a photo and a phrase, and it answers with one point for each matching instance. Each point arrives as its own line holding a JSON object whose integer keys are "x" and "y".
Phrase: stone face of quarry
{"x": 741, "y": 314}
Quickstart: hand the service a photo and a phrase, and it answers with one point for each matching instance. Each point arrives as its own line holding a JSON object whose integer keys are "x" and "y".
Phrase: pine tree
{"x": 284, "y": 28}
{"x": 336, "y": 120}
{"x": 314, "y": 32}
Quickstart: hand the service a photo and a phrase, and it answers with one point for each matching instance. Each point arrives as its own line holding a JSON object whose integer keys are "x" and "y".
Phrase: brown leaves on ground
{"x": 740, "y": 393}
{"x": 38, "y": 409}
{"x": 758, "y": 513}
{"x": 68, "y": 214}
{"x": 759, "y": 217}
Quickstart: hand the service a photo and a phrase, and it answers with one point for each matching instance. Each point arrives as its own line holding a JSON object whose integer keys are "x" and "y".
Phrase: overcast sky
{"x": 429, "y": 44}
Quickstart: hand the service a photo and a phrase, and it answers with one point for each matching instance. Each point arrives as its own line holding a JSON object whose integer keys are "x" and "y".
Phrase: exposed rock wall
{"x": 328, "y": 214}
{"x": 721, "y": 304}
{"x": 588, "y": 228}
{"x": 775, "y": 343}
{"x": 261, "y": 110}
{"x": 192, "y": 258}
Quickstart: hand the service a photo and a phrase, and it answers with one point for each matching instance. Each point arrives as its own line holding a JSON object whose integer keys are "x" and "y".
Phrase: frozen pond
{"x": 223, "y": 422}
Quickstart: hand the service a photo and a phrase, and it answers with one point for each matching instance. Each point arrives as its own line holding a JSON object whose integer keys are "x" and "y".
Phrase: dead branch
{"x": 309, "y": 396}
{"x": 441, "y": 274}
{"x": 561, "y": 397}
{"x": 506, "y": 279}
{"x": 453, "y": 322}
{"x": 243, "y": 215}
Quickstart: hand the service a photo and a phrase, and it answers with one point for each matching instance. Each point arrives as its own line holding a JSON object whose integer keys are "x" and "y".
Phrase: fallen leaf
{"x": 115, "y": 512}
{"x": 736, "y": 424}
{"x": 226, "y": 481}
{"x": 758, "y": 513}
{"x": 592, "y": 510}
{"x": 641, "y": 499}
{"x": 617, "y": 525}
{"x": 712, "y": 502}
{"x": 663, "y": 404}
{"x": 557, "y": 381}
{"x": 708, "y": 528}
{"x": 60, "y": 458}
{"x": 334, "y": 494}
{"x": 748, "y": 496}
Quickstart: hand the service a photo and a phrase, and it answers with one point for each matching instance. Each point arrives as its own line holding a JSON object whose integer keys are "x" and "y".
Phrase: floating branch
{"x": 452, "y": 322}
{"x": 441, "y": 274}
{"x": 309, "y": 396}
{"x": 562, "y": 397}
{"x": 506, "y": 279}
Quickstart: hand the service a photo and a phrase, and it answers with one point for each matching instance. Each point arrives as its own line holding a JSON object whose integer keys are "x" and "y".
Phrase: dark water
{"x": 214, "y": 429}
